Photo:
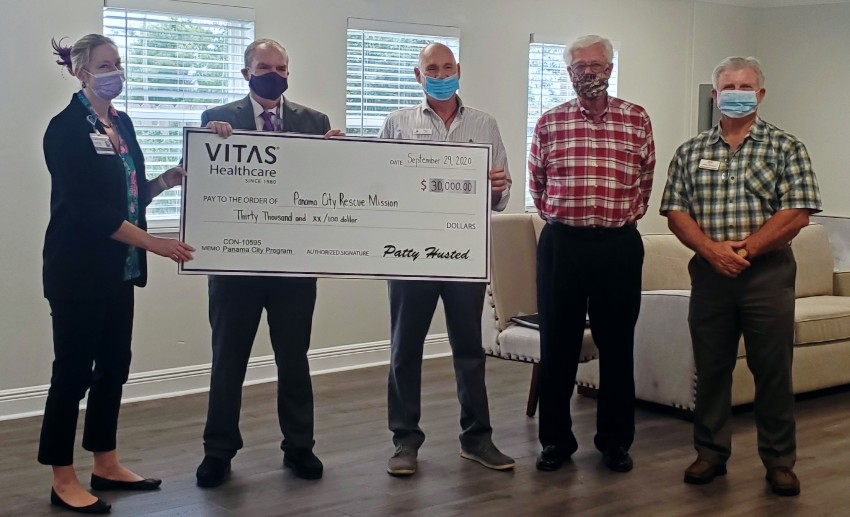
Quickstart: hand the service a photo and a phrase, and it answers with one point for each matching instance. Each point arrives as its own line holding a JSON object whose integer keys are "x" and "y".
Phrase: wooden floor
{"x": 163, "y": 438}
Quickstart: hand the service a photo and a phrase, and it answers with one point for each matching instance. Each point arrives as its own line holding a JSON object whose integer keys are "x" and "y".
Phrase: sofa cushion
{"x": 523, "y": 344}
{"x": 665, "y": 263}
{"x": 815, "y": 262}
{"x": 841, "y": 283}
{"x": 664, "y": 316}
{"x": 819, "y": 319}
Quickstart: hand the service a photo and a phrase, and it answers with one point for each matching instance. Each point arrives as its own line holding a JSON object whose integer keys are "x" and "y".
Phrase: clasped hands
{"x": 729, "y": 258}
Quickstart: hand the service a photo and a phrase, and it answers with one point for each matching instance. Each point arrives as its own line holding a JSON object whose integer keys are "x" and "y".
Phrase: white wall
{"x": 805, "y": 52}
{"x": 667, "y": 46}
{"x": 719, "y": 31}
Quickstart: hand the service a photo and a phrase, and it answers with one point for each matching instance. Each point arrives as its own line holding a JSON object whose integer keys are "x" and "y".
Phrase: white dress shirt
{"x": 420, "y": 122}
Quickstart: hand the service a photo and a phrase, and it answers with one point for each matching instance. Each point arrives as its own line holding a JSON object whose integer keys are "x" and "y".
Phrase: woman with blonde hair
{"x": 94, "y": 255}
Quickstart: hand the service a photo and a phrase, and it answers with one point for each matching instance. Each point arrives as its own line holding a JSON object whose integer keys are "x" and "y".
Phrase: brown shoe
{"x": 783, "y": 481}
{"x": 702, "y": 471}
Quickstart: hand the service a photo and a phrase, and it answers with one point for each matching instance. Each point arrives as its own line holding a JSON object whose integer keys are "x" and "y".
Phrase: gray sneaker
{"x": 403, "y": 461}
{"x": 489, "y": 456}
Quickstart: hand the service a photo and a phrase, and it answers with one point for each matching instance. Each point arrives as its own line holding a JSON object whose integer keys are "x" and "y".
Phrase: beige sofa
{"x": 664, "y": 365}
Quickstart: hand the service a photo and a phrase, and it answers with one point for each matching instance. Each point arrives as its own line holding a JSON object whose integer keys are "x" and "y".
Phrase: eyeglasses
{"x": 105, "y": 71}
{"x": 594, "y": 67}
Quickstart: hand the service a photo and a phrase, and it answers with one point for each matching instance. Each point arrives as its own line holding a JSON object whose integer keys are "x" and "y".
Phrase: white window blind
{"x": 549, "y": 85}
{"x": 379, "y": 70}
{"x": 177, "y": 65}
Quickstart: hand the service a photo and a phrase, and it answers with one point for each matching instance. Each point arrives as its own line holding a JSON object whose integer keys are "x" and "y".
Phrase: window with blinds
{"x": 549, "y": 85}
{"x": 177, "y": 66}
{"x": 379, "y": 69}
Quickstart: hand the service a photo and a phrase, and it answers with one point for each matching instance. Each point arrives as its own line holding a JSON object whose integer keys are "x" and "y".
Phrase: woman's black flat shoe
{"x": 97, "y": 507}
{"x": 99, "y": 483}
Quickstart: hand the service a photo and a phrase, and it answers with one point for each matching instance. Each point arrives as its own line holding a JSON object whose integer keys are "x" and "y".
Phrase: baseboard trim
{"x": 186, "y": 380}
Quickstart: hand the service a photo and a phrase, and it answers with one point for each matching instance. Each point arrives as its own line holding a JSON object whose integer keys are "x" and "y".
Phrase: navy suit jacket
{"x": 88, "y": 203}
{"x": 296, "y": 118}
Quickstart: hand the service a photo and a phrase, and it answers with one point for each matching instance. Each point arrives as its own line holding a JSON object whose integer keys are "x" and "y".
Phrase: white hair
{"x": 588, "y": 41}
{"x": 737, "y": 63}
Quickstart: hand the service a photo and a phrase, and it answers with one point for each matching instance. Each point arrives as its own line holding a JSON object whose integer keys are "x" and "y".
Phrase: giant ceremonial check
{"x": 261, "y": 203}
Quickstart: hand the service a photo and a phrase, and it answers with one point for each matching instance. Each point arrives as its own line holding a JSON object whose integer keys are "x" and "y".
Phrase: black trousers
{"x": 595, "y": 272}
{"x": 759, "y": 304}
{"x": 91, "y": 345}
{"x": 235, "y": 307}
{"x": 412, "y": 305}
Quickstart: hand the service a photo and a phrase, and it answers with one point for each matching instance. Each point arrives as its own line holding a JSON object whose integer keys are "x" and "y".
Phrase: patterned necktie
{"x": 267, "y": 121}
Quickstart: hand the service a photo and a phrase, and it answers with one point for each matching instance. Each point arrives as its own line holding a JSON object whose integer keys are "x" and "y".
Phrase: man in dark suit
{"x": 236, "y": 303}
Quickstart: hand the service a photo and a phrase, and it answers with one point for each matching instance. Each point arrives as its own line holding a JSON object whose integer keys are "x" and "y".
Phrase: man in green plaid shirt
{"x": 736, "y": 195}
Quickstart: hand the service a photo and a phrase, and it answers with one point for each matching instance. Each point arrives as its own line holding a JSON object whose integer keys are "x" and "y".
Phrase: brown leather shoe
{"x": 703, "y": 471}
{"x": 783, "y": 481}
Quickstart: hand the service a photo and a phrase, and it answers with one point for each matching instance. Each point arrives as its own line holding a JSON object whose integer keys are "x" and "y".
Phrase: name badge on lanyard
{"x": 102, "y": 144}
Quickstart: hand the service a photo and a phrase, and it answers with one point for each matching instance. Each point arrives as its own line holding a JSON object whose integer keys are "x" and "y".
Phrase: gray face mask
{"x": 109, "y": 85}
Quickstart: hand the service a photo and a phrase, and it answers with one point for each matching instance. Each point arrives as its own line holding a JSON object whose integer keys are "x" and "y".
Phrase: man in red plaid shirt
{"x": 590, "y": 174}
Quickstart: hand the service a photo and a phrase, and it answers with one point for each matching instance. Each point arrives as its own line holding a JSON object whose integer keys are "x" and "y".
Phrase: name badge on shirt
{"x": 101, "y": 143}
{"x": 711, "y": 165}
{"x": 423, "y": 131}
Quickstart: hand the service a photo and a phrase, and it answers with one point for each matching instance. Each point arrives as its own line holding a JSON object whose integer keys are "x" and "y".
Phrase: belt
{"x": 591, "y": 232}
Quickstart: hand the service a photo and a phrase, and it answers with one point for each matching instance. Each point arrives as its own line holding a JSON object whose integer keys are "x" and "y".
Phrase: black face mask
{"x": 268, "y": 86}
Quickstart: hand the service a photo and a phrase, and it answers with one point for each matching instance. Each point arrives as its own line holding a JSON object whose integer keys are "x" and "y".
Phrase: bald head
{"x": 436, "y": 60}
{"x": 435, "y": 51}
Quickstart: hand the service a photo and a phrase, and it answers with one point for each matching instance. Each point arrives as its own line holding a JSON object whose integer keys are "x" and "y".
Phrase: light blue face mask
{"x": 441, "y": 89}
{"x": 737, "y": 103}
